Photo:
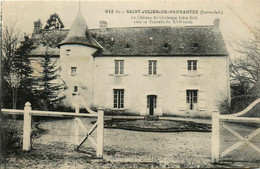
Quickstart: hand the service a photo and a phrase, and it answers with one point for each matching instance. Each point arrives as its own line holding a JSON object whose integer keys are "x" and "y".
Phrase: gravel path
{"x": 122, "y": 149}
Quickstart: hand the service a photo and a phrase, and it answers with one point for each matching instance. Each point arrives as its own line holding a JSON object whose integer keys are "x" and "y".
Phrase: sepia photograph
{"x": 130, "y": 84}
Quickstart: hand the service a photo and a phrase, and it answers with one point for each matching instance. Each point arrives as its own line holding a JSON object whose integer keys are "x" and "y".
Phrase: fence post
{"x": 76, "y": 125}
{"x": 215, "y": 136}
{"x": 100, "y": 132}
{"x": 27, "y": 121}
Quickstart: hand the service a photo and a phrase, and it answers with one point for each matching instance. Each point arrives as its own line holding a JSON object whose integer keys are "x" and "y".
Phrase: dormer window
{"x": 166, "y": 45}
{"x": 195, "y": 46}
{"x": 127, "y": 46}
{"x": 68, "y": 52}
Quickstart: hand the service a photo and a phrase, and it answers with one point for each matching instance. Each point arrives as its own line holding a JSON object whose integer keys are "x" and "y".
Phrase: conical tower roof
{"x": 79, "y": 33}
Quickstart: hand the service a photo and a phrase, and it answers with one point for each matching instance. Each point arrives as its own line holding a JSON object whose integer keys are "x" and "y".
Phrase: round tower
{"x": 76, "y": 61}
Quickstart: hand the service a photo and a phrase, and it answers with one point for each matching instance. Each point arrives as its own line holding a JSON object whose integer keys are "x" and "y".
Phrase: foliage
{"x": 54, "y": 22}
{"x": 16, "y": 69}
{"x": 48, "y": 84}
{"x": 11, "y": 136}
{"x": 223, "y": 106}
{"x": 245, "y": 69}
{"x": 51, "y": 38}
{"x": 151, "y": 117}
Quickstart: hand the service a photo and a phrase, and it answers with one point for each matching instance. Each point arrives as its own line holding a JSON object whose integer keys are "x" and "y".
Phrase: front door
{"x": 151, "y": 103}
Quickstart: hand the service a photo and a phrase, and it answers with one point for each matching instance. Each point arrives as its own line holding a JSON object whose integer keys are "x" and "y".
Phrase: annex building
{"x": 144, "y": 70}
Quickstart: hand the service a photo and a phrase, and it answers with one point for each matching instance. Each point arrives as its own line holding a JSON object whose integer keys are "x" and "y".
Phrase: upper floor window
{"x": 192, "y": 64}
{"x": 118, "y": 98}
{"x": 152, "y": 67}
{"x": 68, "y": 52}
{"x": 119, "y": 67}
{"x": 73, "y": 71}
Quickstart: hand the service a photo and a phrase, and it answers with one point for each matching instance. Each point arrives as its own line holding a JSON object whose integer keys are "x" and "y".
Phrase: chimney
{"x": 216, "y": 22}
{"x": 103, "y": 26}
{"x": 37, "y": 27}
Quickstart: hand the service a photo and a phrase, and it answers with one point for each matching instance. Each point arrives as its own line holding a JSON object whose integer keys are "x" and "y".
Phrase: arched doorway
{"x": 151, "y": 103}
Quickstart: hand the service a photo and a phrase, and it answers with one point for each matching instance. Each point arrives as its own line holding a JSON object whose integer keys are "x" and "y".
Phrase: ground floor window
{"x": 118, "y": 98}
{"x": 191, "y": 98}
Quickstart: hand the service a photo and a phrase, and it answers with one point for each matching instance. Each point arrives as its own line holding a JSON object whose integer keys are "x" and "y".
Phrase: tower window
{"x": 75, "y": 88}
{"x": 68, "y": 52}
{"x": 73, "y": 71}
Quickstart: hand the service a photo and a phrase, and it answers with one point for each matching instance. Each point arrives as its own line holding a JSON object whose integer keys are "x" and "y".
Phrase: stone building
{"x": 144, "y": 70}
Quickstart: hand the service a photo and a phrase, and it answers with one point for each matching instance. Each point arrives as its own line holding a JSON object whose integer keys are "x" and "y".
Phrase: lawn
{"x": 123, "y": 149}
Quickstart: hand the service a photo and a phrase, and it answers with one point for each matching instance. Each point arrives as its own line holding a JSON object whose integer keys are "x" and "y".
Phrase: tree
{"x": 16, "y": 69}
{"x": 245, "y": 73}
{"x": 54, "y": 22}
{"x": 48, "y": 84}
{"x": 245, "y": 69}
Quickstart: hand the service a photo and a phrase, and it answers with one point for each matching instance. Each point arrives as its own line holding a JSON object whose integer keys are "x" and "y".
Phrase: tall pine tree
{"x": 49, "y": 84}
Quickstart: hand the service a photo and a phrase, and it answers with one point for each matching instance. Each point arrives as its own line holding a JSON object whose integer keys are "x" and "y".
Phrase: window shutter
{"x": 143, "y": 105}
{"x": 145, "y": 68}
{"x": 126, "y": 68}
{"x": 109, "y": 98}
{"x": 199, "y": 68}
{"x": 184, "y": 67}
{"x": 159, "y": 106}
{"x": 202, "y": 99}
{"x": 127, "y": 98}
{"x": 111, "y": 68}
{"x": 182, "y": 100}
{"x": 159, "y": 68}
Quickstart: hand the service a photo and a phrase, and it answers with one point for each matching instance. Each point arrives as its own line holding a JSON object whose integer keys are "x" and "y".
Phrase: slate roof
{"x": 152, "y": 41}
{"x": 166, "y": 41}
{"x": 79, "y": 33}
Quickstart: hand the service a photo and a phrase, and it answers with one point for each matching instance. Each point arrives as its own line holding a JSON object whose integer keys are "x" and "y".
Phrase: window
{"x": 118, "y": 98}
{"x": 68, "y": 52}
{"x": 152, "y": 66}
{"x": 154, "y": 99}
{"x": 73, "y": 71}
{"x": 75, "y": 88}
{"x": 119, "y": 67}
{"x": 191, "y": 98}
{"x": 192, "y": 64}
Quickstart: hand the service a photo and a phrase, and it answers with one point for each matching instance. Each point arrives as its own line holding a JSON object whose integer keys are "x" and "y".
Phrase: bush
{"x": 10, "y": 135}
{"x": 224, "y": 107}
{"x": 238, "y": 103}
{"x": 151, "y": 117}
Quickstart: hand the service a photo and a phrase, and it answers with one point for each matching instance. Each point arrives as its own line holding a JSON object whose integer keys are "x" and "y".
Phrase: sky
{"x": 238, "y": 18}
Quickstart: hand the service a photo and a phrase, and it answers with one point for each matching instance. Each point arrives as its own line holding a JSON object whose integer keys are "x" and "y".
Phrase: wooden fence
{"x": 99, "y": 125}
{"x": 218, "y": 120}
